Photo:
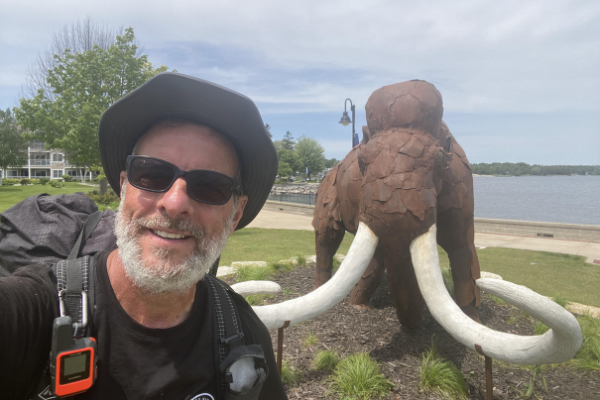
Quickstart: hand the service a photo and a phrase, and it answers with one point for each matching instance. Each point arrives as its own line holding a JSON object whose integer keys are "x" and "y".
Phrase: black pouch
{"x": 245, "y": 371}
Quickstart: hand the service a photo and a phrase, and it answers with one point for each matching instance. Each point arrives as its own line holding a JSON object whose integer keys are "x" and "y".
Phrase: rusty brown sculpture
{"x": 407, "y": 174}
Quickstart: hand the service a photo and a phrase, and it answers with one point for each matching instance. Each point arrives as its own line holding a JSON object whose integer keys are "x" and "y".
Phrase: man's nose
{"x": 176, "y": 201}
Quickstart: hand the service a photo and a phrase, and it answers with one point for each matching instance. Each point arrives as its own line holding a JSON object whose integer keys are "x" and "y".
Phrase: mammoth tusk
{"x": 331, "y": 293}
{"x": 559, "y": 344}
{"x": 249, "y": 288}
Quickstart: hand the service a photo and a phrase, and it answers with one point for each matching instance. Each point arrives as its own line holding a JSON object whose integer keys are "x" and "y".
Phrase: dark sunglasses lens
{"x": 209, "y": 187}
{"x": 151, "y": 174}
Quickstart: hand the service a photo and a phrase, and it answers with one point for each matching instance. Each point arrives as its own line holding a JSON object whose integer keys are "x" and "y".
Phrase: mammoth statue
{"x": 408, "y": 173}
{"x": 405, "y": 188}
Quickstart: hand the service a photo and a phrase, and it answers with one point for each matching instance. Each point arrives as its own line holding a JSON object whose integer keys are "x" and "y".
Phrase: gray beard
{"x": 162, "y": 276}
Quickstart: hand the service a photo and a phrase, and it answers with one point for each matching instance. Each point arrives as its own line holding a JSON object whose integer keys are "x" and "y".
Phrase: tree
{"x": 13, "y": 147}
{"x": 78, "y": 37}
{"x": 83, "y": 86}
{"x": 288, "y": 141}
{"x": 331, "y": 162}
{"x": 310, "y": 155}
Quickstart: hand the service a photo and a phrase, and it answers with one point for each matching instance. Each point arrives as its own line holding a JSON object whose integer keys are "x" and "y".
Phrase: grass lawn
{"x": 550, "y": 274}
{"x": 11, "y": 195}
{"x": 255, "y": 244}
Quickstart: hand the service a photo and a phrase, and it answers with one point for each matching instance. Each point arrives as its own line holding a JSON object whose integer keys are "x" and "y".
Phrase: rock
{"x": 256, "y": 287}
{"x": 225, "y": 270}
{"x": 239, "y": 264}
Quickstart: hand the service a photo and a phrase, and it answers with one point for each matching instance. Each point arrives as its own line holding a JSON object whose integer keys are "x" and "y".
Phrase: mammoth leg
{"x": 327, "y": 242}
{"x": 364, "y": 289}
{"x": 404, "y": 289}
{"x": 456, "y": 236}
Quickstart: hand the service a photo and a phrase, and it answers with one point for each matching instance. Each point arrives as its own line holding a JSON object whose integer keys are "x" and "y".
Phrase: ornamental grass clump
{"x": 441, "y": 376}
{"x": 325, "y": 360}
{"x": 588, "y": 356}
{"x": 256, "y": 299}
{"x": 289, "y": 374}
{"x": 358, "y": 378}
{"x": 249, "y": 273}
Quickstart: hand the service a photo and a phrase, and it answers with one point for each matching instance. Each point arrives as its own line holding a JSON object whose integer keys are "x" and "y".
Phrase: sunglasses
{"x": 156, "y": 175}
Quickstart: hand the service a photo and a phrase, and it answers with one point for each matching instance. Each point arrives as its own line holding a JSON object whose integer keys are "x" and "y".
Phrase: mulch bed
{"x": 399, "y": 350}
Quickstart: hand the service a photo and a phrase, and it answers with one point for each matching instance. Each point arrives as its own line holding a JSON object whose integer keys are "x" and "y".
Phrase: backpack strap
{"x": 87, "y": 229}
{"x": 229, "y": 329}
{"x": 75, "y": 275}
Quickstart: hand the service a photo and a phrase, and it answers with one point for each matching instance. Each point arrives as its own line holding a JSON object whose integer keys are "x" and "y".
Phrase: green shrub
{"x": 43, "y": 181}
{"x": 289, "y": 374}
{"x": 358, "y": 377}
{"x": 9, "y": 182}
{"x": 56, "y": 183}
{"x": 103, "y": 199}
{"x": 325, "y": 360}
{"x": 67, "y": 178}
{"x": 25, "y": 181}
{"x": 441, "y": 376}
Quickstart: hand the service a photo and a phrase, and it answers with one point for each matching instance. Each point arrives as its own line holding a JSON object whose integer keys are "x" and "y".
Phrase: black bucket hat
{"x": 173, "y": 95}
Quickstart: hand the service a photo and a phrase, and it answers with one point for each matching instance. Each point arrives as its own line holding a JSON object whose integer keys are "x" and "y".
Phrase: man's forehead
{"x": 164, "y": 128}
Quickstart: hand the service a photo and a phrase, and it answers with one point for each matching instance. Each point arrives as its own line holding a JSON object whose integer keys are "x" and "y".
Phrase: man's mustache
{"x": 182, "y": 226}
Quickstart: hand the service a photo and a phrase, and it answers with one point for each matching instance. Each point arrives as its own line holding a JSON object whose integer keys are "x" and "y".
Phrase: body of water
{"x": 565, "y": 199}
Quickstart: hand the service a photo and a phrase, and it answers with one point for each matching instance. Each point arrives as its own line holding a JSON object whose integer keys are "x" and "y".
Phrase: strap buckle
{"x": 84, "y": 309}
{"x": 237, "y": 336}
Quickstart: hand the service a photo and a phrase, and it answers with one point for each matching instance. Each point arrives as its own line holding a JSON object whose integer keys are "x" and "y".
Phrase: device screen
{"x": 75, "y": 367}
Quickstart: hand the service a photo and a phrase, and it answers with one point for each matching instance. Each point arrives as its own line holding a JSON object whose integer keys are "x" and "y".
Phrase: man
{"x": 192, "y": 163}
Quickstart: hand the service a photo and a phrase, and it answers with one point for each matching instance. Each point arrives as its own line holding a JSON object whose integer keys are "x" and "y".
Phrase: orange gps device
{"x": 72, "y": 360}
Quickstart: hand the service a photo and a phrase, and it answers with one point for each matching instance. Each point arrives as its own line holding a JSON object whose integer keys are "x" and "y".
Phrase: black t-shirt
{"x": 134, "y": 362}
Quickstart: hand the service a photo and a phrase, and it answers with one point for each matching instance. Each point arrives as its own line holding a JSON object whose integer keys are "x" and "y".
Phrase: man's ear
{"x": 241, "y": 204}
{"x": 122, "y": 179}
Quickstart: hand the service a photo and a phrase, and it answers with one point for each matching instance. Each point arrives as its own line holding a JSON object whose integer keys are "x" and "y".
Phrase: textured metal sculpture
{"x": 408, "y": 173}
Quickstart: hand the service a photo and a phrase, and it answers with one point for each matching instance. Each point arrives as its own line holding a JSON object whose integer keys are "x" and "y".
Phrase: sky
{"x": 520, "y": 80}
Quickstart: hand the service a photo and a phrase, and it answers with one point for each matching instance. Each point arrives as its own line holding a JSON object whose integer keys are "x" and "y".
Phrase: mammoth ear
{"x": 366, "y": 134}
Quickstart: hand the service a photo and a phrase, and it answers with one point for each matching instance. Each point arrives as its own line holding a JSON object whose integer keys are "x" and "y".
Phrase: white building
{"x": 43, "y": 163}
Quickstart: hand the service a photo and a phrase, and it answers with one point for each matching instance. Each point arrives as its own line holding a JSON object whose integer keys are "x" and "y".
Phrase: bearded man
{"x": 192, "y": 162}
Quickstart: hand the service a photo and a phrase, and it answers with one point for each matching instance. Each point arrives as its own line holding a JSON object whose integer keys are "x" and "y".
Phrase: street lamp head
{"x": 345, "y": 119}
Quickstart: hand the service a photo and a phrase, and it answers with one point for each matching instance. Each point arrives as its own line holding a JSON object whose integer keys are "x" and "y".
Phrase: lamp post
{"x": 345, "y": 120}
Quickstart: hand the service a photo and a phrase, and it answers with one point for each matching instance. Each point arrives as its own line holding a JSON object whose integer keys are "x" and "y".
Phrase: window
{"x": 12, "y": 173}
{"x": 72, "y": 172}
{"x": 57, "y": 173}
{"x": 41, "y": 173}
{"x": 57, "y": 157}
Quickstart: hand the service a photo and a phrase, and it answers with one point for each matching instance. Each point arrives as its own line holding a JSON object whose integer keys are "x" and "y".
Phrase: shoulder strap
{"x": 75, "y": 275}
{"x": 86, "y": 231}
{"x": 229, "y": 328}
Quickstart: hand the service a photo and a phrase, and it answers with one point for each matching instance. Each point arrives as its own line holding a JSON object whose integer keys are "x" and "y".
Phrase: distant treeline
{"x": 518, "y": 169}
